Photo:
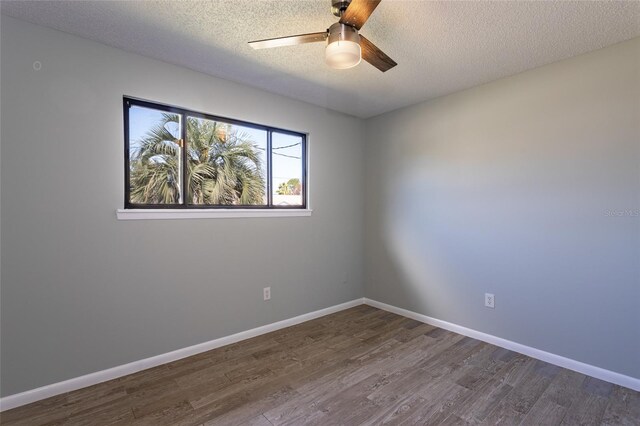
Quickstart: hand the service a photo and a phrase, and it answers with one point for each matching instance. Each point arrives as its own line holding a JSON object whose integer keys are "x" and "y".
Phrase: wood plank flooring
{"x": 359, "y": 366}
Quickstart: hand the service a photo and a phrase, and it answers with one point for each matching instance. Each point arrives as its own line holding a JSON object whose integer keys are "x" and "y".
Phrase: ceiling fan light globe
{"x": 343, "y": 54}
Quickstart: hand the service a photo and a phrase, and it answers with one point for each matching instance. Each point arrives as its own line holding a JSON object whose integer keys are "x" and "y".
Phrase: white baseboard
{"x": 27, "y": 397}
{"x": 571, "y": 364}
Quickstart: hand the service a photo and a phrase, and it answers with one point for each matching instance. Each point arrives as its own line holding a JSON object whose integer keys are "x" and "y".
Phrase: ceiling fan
{"x": 345, "y": 47}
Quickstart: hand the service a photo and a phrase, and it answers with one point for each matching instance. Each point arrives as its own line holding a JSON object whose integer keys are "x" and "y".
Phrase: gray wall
{"x": 505, "y": 188}
{"x": 82, "y": 291}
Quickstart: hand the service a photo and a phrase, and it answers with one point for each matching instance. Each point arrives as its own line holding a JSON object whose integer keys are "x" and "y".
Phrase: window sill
{"x": 152, "y": 214}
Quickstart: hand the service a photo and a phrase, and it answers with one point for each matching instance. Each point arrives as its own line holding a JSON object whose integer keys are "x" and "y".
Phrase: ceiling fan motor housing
{"x": 342, "y": 32}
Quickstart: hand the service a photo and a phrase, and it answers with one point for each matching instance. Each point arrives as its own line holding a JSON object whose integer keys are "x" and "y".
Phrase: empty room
{"x": 319, "y": 212}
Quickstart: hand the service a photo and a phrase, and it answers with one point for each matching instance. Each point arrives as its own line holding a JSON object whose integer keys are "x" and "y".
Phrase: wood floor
{"x": 359, "y": 366}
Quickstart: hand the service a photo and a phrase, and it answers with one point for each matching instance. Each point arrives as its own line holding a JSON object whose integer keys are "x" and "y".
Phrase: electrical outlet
{"x": 266, "y": 293}
{"x": 489, "y": 300}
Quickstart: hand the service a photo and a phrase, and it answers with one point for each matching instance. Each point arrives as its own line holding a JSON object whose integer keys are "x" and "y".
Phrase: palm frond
{"x": 221, "y": 170}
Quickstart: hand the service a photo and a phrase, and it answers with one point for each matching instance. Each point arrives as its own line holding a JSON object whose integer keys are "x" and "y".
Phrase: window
{"x": 181, "y": 159}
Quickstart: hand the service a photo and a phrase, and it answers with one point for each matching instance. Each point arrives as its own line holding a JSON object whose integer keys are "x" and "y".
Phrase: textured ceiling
{"x": 440, "y": 47}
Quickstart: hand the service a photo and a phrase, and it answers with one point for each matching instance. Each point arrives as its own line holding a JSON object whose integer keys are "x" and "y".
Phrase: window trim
{"x": 152, "y": 214}
{"x": 155, "y": 209}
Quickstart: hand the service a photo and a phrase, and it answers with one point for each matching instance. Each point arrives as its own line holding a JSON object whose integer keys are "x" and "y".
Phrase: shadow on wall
{"x": 450, "y": 239}
{"x": 417, "y": 241}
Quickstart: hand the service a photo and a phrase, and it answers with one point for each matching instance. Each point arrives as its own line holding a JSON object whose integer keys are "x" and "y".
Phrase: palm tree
{"x": 224, "y": 167}
{"x": 155, "y": 164}
{"x": 291, "y": 187}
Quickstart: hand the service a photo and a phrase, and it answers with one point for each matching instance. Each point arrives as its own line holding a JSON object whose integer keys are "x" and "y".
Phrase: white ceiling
{"x": 440, "y": 46}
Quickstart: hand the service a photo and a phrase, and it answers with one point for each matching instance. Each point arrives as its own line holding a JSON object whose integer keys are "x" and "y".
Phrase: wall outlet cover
{"x": 489, "y": 300}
